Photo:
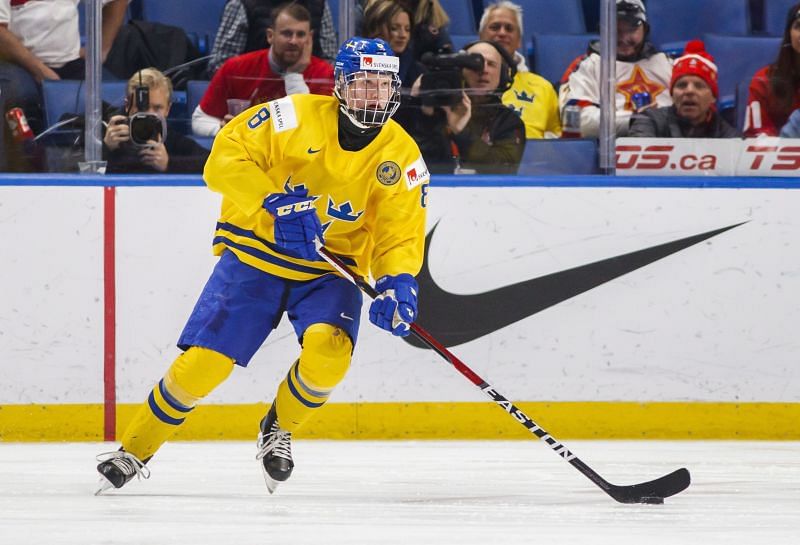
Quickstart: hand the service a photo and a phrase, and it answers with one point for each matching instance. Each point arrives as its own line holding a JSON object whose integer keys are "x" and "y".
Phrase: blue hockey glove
{"x": 396, "y": 305}
{"x": 296, "y": 223}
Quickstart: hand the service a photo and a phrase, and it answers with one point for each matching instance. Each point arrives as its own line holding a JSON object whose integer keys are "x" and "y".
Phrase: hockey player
{"x": 291, "y": 171}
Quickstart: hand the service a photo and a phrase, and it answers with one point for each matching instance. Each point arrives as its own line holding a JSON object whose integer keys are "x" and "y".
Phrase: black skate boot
{"x": 117, "y": 468}
{"x": 274, "y": 451}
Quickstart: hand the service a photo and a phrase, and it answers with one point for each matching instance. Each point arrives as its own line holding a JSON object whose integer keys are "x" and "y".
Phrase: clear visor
{"x": 369, "y": 98}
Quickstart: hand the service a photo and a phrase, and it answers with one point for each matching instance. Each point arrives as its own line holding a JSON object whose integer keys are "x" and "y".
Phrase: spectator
{"x": 531, "y": 96}
{"x": 160, "y": 151}
{"x": 391, "y": 21}
{"x": 641, "y": 70}
{"x": 286, "y": 68}
{"x": 39, "y": 41}
{"x": 244, "y": 23}
{"x": 429, "y": 21}
{"x": 775, "y": 89}
{"x": 694, "y": 94}
{"x": 478, "y": 133}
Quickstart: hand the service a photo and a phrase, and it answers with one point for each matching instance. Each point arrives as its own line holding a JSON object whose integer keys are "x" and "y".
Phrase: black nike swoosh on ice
{"x": 456, "y": 319}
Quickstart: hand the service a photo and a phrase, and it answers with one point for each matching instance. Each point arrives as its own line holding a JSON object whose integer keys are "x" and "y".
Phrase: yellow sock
{"x": 192, "y": 376}
{"x": 323, "y": 363}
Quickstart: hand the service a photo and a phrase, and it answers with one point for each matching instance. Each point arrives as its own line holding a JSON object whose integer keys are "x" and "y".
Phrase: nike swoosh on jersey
{"x": 312, "y": 150}
{"x": 457, "y": 319}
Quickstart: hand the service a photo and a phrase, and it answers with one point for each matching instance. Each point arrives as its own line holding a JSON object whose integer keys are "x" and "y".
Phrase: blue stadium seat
{"x": 559, "y": 156}
{"x": 460, "y": 40}
{"x": 554, "y": 52}
{"x": 775, "y": 16}
{"x": 199, "y": 18}
{"x": 548, "y": 17}
{"x": 205, "y": 141}
{"x": 673, "y": 49}
{"x": 739, "y": 57}
{"x": 675, "y": 20}
{"x": 462, "y": 18}
{"x": 195, "y": 89}
{"x": 178, "y": 119}
{"x": 68, "y": 96}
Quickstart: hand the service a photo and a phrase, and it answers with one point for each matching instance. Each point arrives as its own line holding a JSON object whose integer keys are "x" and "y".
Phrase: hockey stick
{"x": 650, "y": 492}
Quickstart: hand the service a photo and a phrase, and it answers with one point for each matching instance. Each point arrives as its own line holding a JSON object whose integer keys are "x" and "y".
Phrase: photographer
{"x": 464, "y": 126}
{"x": 139, "y": 141}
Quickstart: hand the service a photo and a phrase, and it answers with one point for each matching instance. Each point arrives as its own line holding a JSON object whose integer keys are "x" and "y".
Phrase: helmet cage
{"x": 378, "y": 102}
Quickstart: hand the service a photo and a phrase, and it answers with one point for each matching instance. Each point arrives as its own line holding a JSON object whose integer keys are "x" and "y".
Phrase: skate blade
{"x": 272, "y": 484}
{"x": 103, "y": 485}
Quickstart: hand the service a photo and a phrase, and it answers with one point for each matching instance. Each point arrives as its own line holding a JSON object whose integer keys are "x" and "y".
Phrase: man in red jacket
{"x": 286, "y": 68}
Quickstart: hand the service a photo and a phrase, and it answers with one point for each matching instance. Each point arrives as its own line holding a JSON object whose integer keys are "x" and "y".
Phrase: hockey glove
{"x": 396, "y": 305}
{"x": 296, "y": 223}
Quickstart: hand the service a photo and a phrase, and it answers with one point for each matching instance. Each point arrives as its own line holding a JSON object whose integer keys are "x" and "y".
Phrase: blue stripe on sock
{"x": 304, "y": 386}
{"x": 171, "y": 401}
{"x": 296, "y": 394}
{"x": 161, "y": 415}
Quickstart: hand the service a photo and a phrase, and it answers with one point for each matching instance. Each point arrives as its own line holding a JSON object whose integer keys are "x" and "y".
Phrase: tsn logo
{"x": 779, "y": 158}
{"x": 661, "y": 158}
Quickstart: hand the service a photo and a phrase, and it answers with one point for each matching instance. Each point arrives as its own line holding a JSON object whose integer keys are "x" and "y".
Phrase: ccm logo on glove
{"x": 293, "y": 208}
{"x": 297, "y": 225}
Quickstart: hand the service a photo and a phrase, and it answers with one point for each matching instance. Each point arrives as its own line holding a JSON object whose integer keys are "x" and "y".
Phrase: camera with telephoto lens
{"x": 442, "y": 84}
{"x": 146, "y": 126}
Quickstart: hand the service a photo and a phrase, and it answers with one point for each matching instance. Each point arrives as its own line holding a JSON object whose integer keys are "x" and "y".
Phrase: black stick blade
{"x": 652, "y": 491}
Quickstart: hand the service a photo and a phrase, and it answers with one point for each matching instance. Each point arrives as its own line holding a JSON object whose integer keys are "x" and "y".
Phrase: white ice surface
{"x": 453, "y": 492}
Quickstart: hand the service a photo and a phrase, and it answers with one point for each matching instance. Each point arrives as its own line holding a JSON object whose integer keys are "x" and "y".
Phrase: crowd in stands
{"x": 472, "y": 107}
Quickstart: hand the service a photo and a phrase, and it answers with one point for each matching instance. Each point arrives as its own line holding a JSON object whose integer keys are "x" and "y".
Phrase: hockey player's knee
{"x": 326, "y": 354}
{"x": 195, "y": 373}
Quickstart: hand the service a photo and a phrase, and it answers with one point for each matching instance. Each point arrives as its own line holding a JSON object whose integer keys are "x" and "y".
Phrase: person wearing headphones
{"x": 477, "y": 134}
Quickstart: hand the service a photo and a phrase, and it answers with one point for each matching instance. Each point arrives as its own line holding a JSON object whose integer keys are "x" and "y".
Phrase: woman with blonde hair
{"x": 429, "y": 21}
{"x": 391, "y": 21}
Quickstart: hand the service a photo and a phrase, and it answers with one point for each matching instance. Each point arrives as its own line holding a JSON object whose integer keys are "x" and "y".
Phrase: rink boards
{"x": 639, "y": 310}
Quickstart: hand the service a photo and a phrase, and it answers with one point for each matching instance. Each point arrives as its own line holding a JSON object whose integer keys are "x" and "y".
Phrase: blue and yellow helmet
{"x": 366, "y": 81}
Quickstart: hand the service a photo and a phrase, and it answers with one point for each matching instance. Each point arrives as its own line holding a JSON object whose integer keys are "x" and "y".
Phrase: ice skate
{"x": 274, "y": 451}
{"x": 117, "y": 468}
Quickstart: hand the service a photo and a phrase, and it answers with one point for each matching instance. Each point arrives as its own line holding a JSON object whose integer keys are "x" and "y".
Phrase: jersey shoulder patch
{"x": 417, "y": 173}
{"x": 283, "y": 113}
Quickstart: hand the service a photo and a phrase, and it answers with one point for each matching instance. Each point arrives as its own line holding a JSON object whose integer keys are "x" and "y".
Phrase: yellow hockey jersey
{"x": 371, "y": 202}
{"x": 536, "y": 102}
